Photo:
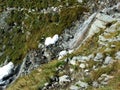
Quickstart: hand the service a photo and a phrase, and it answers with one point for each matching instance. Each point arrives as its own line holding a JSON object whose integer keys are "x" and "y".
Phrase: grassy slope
{"x": 91, "y": 46}
{"x": 35, "y": 25}
{"x": 37, "y": 78}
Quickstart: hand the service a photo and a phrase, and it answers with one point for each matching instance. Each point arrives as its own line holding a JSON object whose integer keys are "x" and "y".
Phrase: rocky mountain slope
{"x": 60, "y": 45}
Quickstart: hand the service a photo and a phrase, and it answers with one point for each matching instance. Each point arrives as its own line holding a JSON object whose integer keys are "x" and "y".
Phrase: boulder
{"x": 98, "y": 57}
{"x": 108, "y": 60}
{"x": 63, "y": 79}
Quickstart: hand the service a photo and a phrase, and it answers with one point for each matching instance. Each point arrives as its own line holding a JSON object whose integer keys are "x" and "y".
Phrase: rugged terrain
{"x": 60, "y": 45}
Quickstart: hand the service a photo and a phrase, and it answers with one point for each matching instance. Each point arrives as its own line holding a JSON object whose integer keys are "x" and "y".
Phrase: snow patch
{"x": 52, "y": 40}
{"x": 6, "y": 70}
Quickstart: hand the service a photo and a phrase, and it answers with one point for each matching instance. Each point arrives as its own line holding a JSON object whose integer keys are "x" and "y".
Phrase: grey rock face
{"x": 98, "y": 57}
{"x": 95, "y": 84}
{"x": 117, "y": 55}
{"x": 108, "y": 60}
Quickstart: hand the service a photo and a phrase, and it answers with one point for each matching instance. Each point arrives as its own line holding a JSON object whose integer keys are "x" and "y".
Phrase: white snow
{"x": 52, "y": 40}
{"x": 6, "y": 70}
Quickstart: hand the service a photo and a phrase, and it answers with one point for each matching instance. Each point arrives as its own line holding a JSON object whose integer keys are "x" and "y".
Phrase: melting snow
{"x": 52, "y": 40}
{"x": 6, "y": 70}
